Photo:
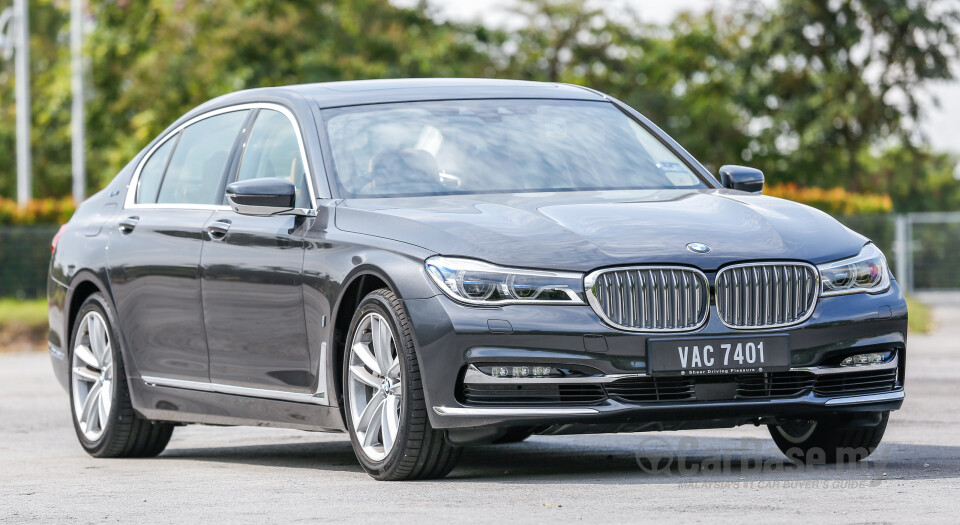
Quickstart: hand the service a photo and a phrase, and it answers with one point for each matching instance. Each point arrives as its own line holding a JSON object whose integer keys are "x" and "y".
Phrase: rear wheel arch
{"x": 83, "y": 285}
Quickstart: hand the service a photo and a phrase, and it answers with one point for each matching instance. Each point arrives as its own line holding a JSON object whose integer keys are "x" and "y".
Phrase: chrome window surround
{"x": 813, "y": 302}
{"x": 130, "y": 201}
{"x": 591, "y": 279}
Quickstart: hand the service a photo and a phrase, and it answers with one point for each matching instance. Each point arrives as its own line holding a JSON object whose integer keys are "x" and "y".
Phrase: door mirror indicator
{"x": 741, "y": 178}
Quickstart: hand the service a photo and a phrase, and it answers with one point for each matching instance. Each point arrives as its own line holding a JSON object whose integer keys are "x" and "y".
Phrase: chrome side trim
{"x": 590, "y": 281}
{"x": 872, "y": 398}
{"x": 234, "y": 390}
{"x": 56, "y": 352}
{"x": 513, "y": 412}
{"x": 130, "y": 201}
{"x": 322, "y": 374}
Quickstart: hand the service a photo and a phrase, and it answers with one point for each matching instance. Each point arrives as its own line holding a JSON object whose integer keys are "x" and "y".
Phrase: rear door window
{"x": 197, "y": 166}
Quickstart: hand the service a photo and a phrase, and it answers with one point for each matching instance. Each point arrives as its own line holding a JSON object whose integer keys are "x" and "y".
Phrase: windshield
{"x": 496, "y": 146}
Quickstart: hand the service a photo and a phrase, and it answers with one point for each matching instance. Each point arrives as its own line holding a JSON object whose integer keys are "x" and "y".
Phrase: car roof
{"x": 357, "y": 92}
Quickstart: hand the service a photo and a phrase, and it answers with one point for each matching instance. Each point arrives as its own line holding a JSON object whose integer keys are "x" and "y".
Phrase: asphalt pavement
{"x": 261, "y": 475}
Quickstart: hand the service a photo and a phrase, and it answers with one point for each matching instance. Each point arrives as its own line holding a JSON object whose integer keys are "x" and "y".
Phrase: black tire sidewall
{"x": 97, "y": 303}
{"x": 377, "y": 303}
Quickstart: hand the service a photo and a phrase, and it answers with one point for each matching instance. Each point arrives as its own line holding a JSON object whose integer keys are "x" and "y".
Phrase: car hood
{"x": 586, "y": 230}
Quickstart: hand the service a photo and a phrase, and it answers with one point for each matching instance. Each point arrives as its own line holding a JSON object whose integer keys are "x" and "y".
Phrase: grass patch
{"x": 920, "y": 321}
{"x": 30, "y": 312}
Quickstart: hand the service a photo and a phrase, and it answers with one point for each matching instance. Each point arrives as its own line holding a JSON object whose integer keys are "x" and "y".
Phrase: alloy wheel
{"x": 92, "y": 376}
{"x": 376, "y": 391}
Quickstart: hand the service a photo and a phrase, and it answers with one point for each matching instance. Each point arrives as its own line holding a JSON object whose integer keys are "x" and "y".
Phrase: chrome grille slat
{"x": 766, "y": 295}
{"x": 650, "y": 299}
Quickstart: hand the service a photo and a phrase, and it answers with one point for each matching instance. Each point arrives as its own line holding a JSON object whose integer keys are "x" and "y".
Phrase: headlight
{"x": 480, "y": 283}
{"x": 866, "y": 272}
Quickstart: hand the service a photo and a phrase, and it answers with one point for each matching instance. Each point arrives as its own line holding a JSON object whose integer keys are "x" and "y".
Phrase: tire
{"x": 829, "y": 440}
{"x": 109, "y": 428}
{"x": 513, "y": 435}
{"x": 400, "y": 448}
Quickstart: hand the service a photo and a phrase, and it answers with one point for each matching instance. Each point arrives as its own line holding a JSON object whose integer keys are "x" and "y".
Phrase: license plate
{"x": 718, "y": 355}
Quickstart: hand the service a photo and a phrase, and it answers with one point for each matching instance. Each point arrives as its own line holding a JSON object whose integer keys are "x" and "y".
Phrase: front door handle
{"x": 218, "y": 229}
{"x": 128, "y": 224}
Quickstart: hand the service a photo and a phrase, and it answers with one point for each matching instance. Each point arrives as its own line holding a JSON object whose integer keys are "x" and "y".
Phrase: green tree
{"x": 681, "y": 76}
{"x": 152, "y": 60}
{"x": 826, "y": 81}
{"x": 155, "y": 59}
{"x": 50, "y": 101}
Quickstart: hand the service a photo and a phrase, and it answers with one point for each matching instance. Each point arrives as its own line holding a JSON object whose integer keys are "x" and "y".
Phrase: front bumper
{"x": 451, "y": 337}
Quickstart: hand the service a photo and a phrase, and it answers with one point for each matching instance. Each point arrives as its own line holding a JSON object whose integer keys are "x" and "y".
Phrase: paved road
{"x": 269, "y": 475}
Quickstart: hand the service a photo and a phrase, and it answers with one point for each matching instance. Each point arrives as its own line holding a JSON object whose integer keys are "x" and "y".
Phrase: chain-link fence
{"x": 928, "y": 248}
{"x": 24, "y": 258}
{"x": 923, "y": 249}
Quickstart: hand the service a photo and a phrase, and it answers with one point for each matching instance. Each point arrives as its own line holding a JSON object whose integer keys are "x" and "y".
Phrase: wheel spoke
{"x": 370, "y": 412}
{"x": 106, "y": 396}
{"x": 389, "y": 422}
{"x": 373, "y": 429}
{"x": 361, "y": 374}
{"x": 380, "y": 333}
{"x": 361, "y": 350}
{"x": 86, "y": 374}
{"x": 102, "y": 408}
{"x": 98, "y": 339}
{"x": 394, "y": 372}
{"x": 90, "y": 405}
{"x": 84, "y": 354}
{"x": 396, "y": 389}
{"x": 107, "y": 358}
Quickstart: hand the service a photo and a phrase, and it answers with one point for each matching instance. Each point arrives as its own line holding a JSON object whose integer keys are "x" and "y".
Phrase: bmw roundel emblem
{"x": 698, "y": 247}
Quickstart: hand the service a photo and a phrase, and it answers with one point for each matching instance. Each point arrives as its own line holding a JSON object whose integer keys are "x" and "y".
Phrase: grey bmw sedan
{"x": 428, "y": 265}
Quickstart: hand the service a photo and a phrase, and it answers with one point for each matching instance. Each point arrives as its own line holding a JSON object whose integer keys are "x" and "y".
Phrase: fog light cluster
{"x": 522, "y": 371}
{"x": 511, "y": 371}
{"x": 873, "y": 358}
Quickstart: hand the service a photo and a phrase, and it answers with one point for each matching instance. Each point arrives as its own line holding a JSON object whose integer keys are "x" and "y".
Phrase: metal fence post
{"x": 22, "y": 96}
{"x": 903, "y": 246}
{"x": 77, "y": 114}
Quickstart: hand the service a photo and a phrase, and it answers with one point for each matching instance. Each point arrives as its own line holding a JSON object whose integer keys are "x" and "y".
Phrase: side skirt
{"x": 163, "y": 403}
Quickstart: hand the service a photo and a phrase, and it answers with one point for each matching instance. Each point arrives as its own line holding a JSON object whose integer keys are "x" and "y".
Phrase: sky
{"x": 941, "y": 125}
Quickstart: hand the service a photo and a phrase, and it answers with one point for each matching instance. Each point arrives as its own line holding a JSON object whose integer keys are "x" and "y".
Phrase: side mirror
{"x": 741, "y": 178}
{"x": 262, "y": 197}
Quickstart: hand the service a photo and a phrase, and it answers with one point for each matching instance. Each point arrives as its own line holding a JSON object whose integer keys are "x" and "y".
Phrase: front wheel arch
{"x": 353, "y": 293}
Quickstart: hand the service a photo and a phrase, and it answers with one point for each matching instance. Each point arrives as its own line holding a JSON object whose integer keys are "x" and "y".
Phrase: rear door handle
{"x": 128, "y": 224}
{"x": 218, "y": 228}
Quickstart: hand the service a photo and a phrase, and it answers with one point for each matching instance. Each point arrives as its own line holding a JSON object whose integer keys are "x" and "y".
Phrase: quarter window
{"x": 196, "y": 167}
{"x": 274, "y": 151}
{"x": 152, "y": 172}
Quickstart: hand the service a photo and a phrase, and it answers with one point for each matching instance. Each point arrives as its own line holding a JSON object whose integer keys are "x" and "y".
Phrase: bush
{"x": 835, "y": 201}
{"x": 37, "y": 211}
